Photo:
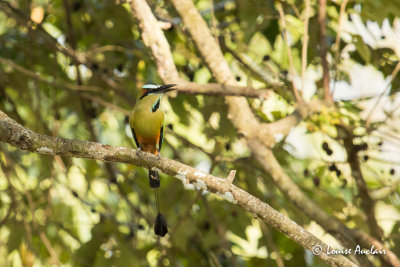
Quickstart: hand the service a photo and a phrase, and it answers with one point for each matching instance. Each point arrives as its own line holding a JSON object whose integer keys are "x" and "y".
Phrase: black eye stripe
{"x": 145, "y": 94}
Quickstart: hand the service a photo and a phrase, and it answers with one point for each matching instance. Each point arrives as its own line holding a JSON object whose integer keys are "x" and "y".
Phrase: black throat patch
{"x": 156, "y": 105}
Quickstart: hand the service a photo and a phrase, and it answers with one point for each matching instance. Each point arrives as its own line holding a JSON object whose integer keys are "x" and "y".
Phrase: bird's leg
{"x": 138, "y": 152}
{"x": 158, "y": 154}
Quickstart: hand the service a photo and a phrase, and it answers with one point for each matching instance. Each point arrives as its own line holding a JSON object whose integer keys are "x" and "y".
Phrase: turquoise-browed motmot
{"x": 147, "y": 124}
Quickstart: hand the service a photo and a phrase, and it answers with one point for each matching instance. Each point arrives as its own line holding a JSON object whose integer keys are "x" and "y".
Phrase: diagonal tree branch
{"x": 14, "y": 134}
{"x": 367, "y": 202}
{"x": 292, "y": 72}
{"x": 258, "y": 71}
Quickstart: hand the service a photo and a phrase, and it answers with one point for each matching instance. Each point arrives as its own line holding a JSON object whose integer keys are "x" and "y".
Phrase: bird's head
{"x": 152, "y": 89}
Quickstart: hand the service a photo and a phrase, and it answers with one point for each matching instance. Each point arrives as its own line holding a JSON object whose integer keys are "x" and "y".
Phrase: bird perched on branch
{"x": 147, "y": 124}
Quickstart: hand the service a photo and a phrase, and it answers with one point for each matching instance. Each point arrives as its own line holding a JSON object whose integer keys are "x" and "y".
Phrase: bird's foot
{"x": 138, "y": 152}
{"x": 158, "y": 154}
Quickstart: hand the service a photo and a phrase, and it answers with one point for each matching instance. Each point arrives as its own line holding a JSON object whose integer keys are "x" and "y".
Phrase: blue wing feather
{"x": 161, "y": 138}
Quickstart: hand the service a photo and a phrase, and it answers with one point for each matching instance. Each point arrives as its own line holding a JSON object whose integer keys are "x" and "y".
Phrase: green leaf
{"x": 362, "y": 49}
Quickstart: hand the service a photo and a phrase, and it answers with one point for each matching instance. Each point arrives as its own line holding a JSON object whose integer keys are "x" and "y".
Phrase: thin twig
{"x": 271, "y": 244}
{"x": 305, "y": 46}
{"x": 323, "y": 51}
{"x": 392, "y": 76}
{"x": 367, "y": 203}
{"x": 339, "y": 31}
{"x": 214, "y": 21}
{"x": 231, "y": 176}
{"x": 42, "y": 235}
{"x": 104, "y": 103}
{"x": 268, "y": 76}
{"x": 292, "y": 71}
{"x": 36, "y": 76}
{"x": 107, "y": 48}
{"x": 220, "y": 230}
{"x": 336, "y": 47}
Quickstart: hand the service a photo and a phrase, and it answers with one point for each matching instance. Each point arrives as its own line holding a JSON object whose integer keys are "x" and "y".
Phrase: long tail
{"x": 154, "y": 179}
{"x": 160, "y": 226}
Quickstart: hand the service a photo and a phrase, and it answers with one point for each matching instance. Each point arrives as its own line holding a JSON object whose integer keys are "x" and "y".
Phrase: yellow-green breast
{"x": 146, "y": 123}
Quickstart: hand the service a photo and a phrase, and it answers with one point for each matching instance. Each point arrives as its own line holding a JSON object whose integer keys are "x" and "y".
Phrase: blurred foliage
{"x": 76, "y": 212}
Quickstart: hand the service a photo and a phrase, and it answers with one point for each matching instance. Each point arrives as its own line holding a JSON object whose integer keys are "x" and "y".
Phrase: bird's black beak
{"x": 165, "y": 88}
{"x": 159, "y": 90}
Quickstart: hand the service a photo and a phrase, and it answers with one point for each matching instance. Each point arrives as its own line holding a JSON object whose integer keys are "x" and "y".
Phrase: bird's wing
{"x": 134, "y": 137}
{"x": 160, "y": 141}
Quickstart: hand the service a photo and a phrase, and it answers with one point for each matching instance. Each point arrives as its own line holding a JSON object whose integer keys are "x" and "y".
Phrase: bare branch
{"x": 269, "y": 76}
{"x": 323, "y": 50}
{"x": 299, "y": 98}
{"x": 367, "y": 202}
{"x": 305, "y": 45}
{"x": 339, "y": 31}
{"x": 270, "y": 242}
{"x": 104, "y": 103}
{"x": 153, "y": 37}
{"x": 14, "y": 134}
{"x": 336, "y": 47}
{"x": 221, "y": 231}
{"x": 221, "y": 89}
{"x": 42, "y": 235}
{"x": 231, "y": 176}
